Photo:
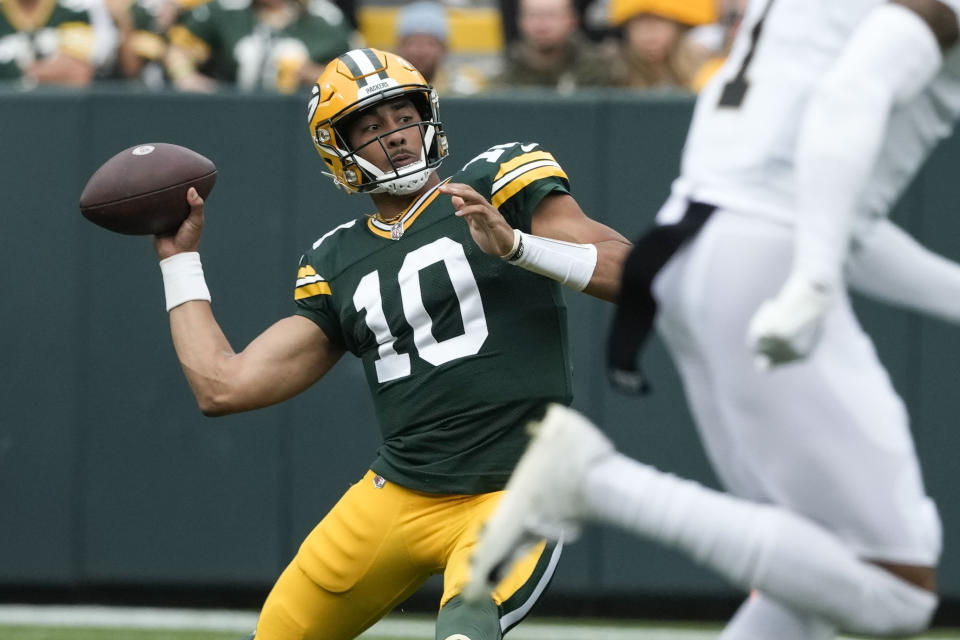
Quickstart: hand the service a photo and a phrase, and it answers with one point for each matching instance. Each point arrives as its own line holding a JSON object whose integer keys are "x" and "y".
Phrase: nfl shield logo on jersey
{"x": 379, "y": 481}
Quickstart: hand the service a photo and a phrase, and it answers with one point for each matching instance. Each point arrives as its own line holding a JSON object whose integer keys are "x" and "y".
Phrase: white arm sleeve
{"x": 890, "y": 57}
{"x": 887, "y": 264}
{"x": 568, "y": 263}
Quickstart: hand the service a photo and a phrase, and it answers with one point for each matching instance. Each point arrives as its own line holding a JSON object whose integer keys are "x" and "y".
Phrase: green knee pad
{"x": 461, "y": 621}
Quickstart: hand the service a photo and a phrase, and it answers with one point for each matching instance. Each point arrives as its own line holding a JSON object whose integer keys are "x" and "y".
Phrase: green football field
{"x": 409, "y": 628}
{"x": 29, "y": 622}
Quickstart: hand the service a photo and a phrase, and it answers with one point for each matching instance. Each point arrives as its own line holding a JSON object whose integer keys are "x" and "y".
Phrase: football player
{"x": 450, "y": 295}
{"x": 799, "y": 147}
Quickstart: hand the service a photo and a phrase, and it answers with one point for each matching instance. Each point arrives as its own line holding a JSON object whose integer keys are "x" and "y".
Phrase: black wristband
{"x": 516, "y": 255}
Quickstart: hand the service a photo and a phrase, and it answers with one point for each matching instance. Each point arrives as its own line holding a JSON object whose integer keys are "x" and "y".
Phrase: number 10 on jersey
{"x": 390, "y": 364}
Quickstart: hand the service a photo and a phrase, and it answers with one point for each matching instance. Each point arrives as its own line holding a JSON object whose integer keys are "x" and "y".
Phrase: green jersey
{"x": 235, "y": 46}
{"x": 54, "y": 27}
{"x": 460, "y": 348}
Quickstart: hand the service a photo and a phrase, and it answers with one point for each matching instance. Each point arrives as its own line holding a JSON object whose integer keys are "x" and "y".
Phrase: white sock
{"x": 757, "y": 546}
{"x": 761, "y": 618}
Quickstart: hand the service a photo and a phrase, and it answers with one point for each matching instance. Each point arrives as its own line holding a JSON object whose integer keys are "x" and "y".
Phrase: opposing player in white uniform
{"x": 798, "y": 149}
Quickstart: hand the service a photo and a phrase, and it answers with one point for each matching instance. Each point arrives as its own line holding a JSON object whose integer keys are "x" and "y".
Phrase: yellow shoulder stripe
{"x": 309, "y": 284}
{"x": 510, "y": 165}
{"x": 518, "y": 183}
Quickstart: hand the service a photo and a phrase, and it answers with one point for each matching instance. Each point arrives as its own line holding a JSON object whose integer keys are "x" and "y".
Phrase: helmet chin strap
{"x": 408, "y": 184}
{"x": 410, "y": 178}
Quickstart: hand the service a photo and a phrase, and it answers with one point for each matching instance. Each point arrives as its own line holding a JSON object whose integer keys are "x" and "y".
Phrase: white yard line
{"x": 244, "y": 622}
{"x": 127, "y": 617}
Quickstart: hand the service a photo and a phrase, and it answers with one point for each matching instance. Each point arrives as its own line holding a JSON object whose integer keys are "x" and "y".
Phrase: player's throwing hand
{"x": 187, "y": 237}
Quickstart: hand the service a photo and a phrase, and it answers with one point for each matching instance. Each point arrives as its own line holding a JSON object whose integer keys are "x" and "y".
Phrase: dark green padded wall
{"x": 109, "y": 474}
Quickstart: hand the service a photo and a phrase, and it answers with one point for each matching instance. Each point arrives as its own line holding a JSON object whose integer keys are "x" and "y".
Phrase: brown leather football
{"x": 143, "y": 190}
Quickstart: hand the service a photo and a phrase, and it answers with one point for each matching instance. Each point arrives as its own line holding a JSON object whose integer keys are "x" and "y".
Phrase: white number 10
{"x": 392, "y": 365}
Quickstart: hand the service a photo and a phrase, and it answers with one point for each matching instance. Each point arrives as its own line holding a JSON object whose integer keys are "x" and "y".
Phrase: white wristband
{"x": 566, "y": 262}
{"x": 183, "y": 279}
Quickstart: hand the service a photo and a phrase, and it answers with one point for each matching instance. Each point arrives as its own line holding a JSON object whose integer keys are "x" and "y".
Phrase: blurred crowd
{"x": 461, "y": 46}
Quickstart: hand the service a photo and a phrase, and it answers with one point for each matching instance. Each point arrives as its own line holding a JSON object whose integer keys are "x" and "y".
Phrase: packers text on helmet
{"x": 356, "y": 81}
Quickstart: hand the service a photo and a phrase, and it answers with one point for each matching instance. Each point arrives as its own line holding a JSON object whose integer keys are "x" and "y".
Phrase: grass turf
{"x": 637, "y": 630}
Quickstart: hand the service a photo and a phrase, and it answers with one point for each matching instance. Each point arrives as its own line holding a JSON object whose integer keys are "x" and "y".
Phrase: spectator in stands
{"x": 46, "y": 42}
{"x": 142, "y": 26}
{"x": 273, "y": 45}
{"x": 552, "y": 52}
{"x": 510, "y": 11}
{"x": 656, "y": 48}
{"x": 423, "y": 33}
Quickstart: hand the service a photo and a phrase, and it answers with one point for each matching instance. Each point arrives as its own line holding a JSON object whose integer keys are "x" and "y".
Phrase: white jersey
{"x": 739, "y": 153}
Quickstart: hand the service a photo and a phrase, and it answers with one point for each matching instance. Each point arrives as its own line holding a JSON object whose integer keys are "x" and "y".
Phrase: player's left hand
{"x": 787, "y": 327}
{"x": 487, "y": 225}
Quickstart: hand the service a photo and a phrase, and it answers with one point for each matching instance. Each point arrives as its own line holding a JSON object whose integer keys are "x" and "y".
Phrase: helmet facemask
{"x": 397, "y": 180}
{"x": 359, "y": 174}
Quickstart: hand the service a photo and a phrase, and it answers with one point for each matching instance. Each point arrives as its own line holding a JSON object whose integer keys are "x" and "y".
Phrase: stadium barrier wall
{"x": 110, "y": 475}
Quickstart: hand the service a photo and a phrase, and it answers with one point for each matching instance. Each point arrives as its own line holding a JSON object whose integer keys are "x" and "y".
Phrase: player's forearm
{"x": 889, "y": 265}
{"x": 891, "y": 57}
{"x": 201, "y": 346}
{"x": 605, "y": 281}
{"x": 205, "y": 355}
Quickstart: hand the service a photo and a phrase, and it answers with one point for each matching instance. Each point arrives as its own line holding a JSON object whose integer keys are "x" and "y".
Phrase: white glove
{"x": 787, "y": 327}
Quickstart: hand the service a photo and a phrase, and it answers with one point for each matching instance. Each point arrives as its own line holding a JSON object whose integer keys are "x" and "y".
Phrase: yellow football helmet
{"x": 353, "y": 82}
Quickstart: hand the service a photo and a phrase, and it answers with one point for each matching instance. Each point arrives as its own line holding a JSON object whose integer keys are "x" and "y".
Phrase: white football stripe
{"x": 362, "y": 61}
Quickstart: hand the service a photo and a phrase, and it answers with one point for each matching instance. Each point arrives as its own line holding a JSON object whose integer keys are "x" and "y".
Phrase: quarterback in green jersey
{"x": 450, "y": 294}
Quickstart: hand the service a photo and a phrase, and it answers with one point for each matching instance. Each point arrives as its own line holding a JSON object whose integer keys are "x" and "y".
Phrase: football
{"x": 143, "y": 190}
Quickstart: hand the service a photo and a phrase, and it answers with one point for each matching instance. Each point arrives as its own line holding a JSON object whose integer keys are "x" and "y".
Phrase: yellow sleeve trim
{"x": 313, "y": 289}
{"x": 522, "y": 181}
{"x": 197, "y": 49}
{"x": 510, "y": 165}
{"x": 309, "y": 284}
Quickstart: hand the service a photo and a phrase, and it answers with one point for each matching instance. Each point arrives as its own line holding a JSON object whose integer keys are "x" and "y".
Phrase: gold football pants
{"x": 377, "y": 546}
